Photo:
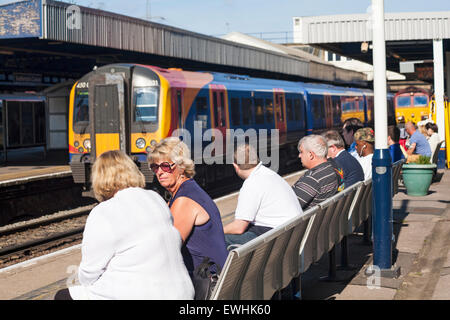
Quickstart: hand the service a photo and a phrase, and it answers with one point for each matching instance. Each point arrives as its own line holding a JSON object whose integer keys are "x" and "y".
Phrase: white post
{"x": 438, "y": 58}
{"x": 379, "y": 75}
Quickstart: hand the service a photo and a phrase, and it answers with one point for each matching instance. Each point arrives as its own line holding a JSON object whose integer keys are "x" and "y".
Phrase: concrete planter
{"x": 417, "y": 178}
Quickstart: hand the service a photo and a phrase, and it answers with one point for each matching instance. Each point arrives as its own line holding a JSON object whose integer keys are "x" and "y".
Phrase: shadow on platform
{"x": 36, "y": 156}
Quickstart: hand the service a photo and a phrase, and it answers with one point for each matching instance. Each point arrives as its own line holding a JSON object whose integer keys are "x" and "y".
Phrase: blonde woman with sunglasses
{"x": 195, "y": 214}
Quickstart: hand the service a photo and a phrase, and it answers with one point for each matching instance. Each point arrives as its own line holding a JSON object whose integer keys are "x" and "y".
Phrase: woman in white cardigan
{"x": 130, "y": 248}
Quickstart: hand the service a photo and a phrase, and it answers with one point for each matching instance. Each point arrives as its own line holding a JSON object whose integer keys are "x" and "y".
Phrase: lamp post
{"x": 381, "y": 161}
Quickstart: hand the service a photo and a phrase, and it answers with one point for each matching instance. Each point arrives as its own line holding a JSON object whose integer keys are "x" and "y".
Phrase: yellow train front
{"x": 128, "y": 114}
{"x": 411, "y": 104}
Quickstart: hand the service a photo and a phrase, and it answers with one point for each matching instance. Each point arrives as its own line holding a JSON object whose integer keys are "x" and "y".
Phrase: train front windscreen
{"x": 81, "y": 110}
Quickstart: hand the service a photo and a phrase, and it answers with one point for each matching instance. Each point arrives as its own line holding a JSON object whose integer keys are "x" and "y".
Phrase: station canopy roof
{"x": 63, "y": 40}
{"x": 409, "y": 35}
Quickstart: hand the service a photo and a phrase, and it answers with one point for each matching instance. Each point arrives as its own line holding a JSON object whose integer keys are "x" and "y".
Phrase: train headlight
{"x": 140, "y": 143}
{"x": 87, "y": 144}
{"x": 76, "y": 144}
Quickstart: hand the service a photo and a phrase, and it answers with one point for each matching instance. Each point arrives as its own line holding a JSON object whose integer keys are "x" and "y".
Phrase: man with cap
{"x": 365, "y": 140}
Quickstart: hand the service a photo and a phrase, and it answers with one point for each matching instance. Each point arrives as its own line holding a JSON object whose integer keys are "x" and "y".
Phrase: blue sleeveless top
{"x": 206, "y": 240}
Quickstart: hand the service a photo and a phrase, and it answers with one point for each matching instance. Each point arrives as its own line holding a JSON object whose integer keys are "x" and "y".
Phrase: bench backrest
{"x": 396, "y": 169}
{"x": 266, "y": 264}
{"x": 258, "y": 268}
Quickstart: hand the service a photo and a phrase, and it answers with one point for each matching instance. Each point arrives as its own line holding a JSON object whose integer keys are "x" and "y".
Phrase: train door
{"x": 328, "y": 111}
{"x": 219, "y": 114}
{"x": 280, "y": 119}
{"x": 107, "y": 127}
{"x": 177, "y": 108}
{"x": 2, "y": 135}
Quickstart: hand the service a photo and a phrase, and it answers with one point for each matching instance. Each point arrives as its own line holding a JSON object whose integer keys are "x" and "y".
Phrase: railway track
{"x": 29, "y": 239}
{"x": 26, "y": 240}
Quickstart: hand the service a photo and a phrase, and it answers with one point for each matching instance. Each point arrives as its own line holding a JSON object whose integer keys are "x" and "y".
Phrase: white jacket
{"x": 131, "y": 250}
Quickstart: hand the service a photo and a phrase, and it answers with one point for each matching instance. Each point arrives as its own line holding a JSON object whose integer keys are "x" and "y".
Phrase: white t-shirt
{"x": 366, "y": 164}
{"x": 433, "y": 141}
{"x": 131, "y": 250}
{"x": 266, "y": 199}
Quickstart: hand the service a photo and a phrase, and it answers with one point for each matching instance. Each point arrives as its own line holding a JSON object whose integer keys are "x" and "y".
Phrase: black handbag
{"x": 204, "y": 280}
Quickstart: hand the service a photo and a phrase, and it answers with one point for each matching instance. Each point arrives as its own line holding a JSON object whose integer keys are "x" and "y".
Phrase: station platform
{"x": 34, "y": 163}
{"x": 421, "y": 250}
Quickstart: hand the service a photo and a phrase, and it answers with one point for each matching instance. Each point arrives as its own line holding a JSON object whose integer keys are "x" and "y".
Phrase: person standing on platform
{"x": 323, "y": 179}
{"x": 418, "y": 144}
{"x": 364, "y": 147}
{"x": 130, "y": 248}
{"x": 265, "y": 200}
{"x": 393, "y": 143}
{"x": 353, "y": 171}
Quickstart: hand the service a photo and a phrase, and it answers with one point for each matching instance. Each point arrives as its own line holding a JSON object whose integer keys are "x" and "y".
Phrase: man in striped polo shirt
{"x": 324, "y": 177}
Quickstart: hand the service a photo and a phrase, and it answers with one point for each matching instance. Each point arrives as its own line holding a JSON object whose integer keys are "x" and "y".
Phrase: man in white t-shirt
{"x": 265, "y": 200}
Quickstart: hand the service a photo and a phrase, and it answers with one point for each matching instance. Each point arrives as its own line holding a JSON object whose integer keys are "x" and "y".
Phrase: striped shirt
{"x": 316, "y": 185}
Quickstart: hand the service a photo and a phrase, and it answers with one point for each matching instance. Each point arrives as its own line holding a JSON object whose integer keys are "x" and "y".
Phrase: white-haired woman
{"x": 195, "y": 214}
{"x": 130, "y": 248}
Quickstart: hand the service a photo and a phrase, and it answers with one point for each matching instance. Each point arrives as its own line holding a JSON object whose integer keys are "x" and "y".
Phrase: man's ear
{"x": 236, "y": 168}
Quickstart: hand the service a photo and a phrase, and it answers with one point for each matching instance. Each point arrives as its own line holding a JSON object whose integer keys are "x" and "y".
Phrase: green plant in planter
{"x": 417, "y": 175}
{"x": 423, "y": 160}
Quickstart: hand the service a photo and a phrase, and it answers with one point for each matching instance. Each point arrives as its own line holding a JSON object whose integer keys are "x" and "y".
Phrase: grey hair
{"x": 245, "y": 156}
{"x": 333, "y": 138}
{"x": 316, "y": 144}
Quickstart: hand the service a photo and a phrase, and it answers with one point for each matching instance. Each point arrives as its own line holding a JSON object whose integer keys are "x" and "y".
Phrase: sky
{"x": 218, "y": 17}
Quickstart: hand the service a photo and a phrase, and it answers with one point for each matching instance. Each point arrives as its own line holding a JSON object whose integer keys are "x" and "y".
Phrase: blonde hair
{"x": 113, "y": 171}
{"x": 174, "y": 150}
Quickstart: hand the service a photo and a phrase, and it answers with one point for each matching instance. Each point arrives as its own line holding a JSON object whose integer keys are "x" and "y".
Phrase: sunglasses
{"x": 165, "y": 166}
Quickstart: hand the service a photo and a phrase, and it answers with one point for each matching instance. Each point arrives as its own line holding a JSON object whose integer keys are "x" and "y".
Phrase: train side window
{"x": 202, "y": 112}
{"x": 297, "y": 109}
{"x": 247, "y": 113}
{"x": 202, "y": 107}
{"x": 289, "y": 110}
{"x": 235, "y": 114}
{"x": 146, "y": 104}
{"x": 259, "y": 111}
{"x": 269, "y": 110}
{"x": 316, "y": 107}
{"x": 336, "y": 109}
{"x": 321, "y": 109}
